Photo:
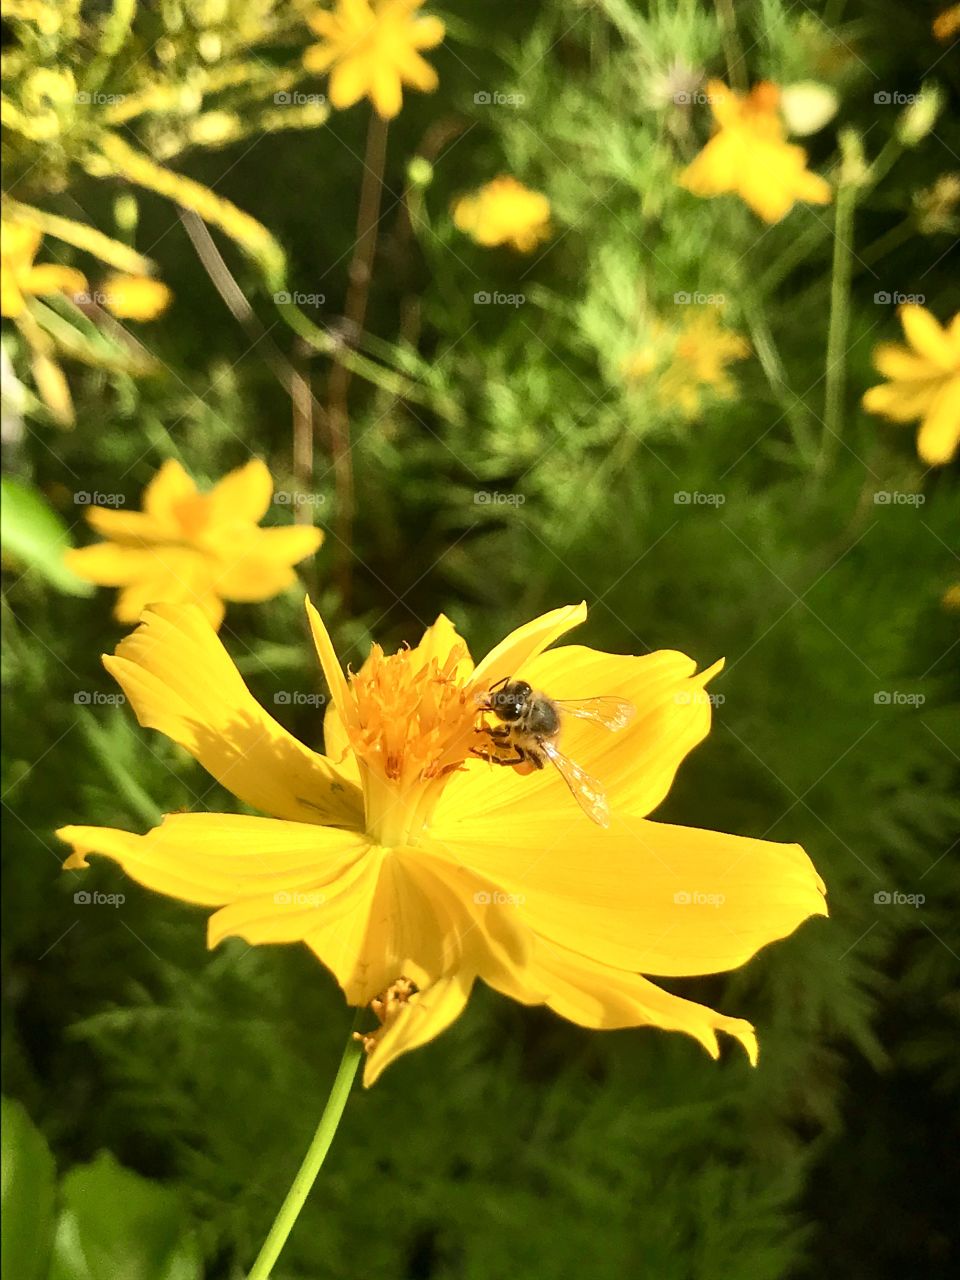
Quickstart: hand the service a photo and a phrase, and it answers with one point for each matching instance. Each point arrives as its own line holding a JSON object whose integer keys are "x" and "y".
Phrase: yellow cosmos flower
{"x": 371, "y": 49}
{"x": 412, "y": 868}
{"x": 135, "y": 297}
{"x": 187, "y": 546}
{"x": 20, "y": 279}
{"x": 696, "y": 355}
{"x": 749, "y": 154}
{"x": 504, "y": 212}
{"x": 924, "y": 382}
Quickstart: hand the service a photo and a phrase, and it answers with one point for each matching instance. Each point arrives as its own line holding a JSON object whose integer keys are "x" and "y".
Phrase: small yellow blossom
{"x": 947, "y": 24}
{"x": 504, "y": 212}
{"x": 135, "y": 297}
{"x": 411, "y": 868}
{"x": 749, "y": 154}
{"x": 201, "y": 548}
{"x": 924, "y": 382}
{"x": 20, "y": 279}
{"x": 371, "y": 49}
{"x": 692, "y": 360}
{"x": 951, "y": 598}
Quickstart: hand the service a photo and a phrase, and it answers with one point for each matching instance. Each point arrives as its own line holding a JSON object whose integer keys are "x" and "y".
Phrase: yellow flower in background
{"x": 947, "y": 24}
{"x": 692, "y": 361}
{"x": 504, "y": 212}
{"x": 201, "y": 548}
{"x": 135, "y": 297}
{"x": 411, "y": 868}
{"x": 20, "y": 279}
{"x": 924, "y": 382}
{"x": 371, "y": 49}
{"x": 749, "y": 155}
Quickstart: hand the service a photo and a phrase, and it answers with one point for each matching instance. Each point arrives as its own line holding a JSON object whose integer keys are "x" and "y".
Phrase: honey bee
{"x": 529, "y": 726}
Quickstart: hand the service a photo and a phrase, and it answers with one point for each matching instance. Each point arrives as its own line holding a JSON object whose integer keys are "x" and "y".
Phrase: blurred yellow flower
{"x": 135, "y": 297}
{"x": 924, "y": 382}
{"x": 951, "y": 598}
{"x": 504, "y": 212}
{"x": 370, "y": 48}
{"x": 947, "y": 24}
{"x": 20, "y": 279}
{"x": 692, "y": 360}
{"x": 749, "y": 154}
{"x": 201, "y": 548}
{"x": 411, "y": 868}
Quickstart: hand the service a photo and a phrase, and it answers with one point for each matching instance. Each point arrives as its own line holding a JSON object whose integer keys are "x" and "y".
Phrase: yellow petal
{"x": 181, "y": 681}
{"x": 242, "y": 496}
{"x": 340, "y": 695}
{"x": 53, "y": 387}
{"x": 900, "y": 364}
{"x": 385, "y": 91}
{"x": 135, "y": 297}
{"x": 926, "y": 336}
{"x": 110, "y": 564}
{"x": 133, "y": 528}
{"x": 424, "y": 1016}
{"x": 217, "y": 858}
{"x": 260, "y": 565}
{"x": 900, "y": 401}
{"x": 636, "y": 766}
{"x": 166, "y": 492}
{"x": 640, "y": 896}
{"x": 349, "y": 81}
{"x": 428, "y": 32}
{"x": 49, "y": 278}
{"x": 522, "y": 645}
{"x": 602, "y": 998}
{"x": 940, "y": 430}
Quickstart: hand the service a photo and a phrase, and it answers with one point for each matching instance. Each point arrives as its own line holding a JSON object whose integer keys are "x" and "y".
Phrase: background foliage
{"x": 516, "y": 1144}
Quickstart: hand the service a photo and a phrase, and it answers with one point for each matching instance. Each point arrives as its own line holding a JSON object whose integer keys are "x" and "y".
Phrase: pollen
{"x": 413, "y": 719}
{"x": 386, "y": 1006}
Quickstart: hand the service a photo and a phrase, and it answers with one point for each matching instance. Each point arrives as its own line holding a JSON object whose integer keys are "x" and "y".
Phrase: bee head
{"x": 509, "y": 702}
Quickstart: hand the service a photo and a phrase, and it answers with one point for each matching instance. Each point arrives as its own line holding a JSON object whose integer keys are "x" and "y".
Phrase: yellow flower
{"x": 200, "y": 548}
{"x": 20, "y": 279}
{"x": 135, "y": 297}
{"x": 924, "y": 382}
{"x": 749, "y": 154}
{"x": 696, "y": 355}
{"x": 947, "y": 24}
{"x": 370, "y": 48}
{"x": 504, "y": 212}
{"x": 411, "y": 868}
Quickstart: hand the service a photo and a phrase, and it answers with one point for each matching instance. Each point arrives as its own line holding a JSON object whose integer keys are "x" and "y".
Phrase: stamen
{"x": 386, "y": 1006}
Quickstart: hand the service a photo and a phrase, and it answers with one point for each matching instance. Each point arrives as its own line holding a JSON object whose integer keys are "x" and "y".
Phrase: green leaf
{"x": 31, "y": 532}
{"x": 28, "y": 1187}
{"x": 115, "y": 1223}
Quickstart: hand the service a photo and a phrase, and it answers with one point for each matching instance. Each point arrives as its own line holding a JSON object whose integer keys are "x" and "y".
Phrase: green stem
{"x": 312, "y": 1161}
{"x": 839, "y": 322}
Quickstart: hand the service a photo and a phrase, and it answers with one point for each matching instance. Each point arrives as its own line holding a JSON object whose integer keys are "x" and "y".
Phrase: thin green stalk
{"x": 312, "y": 1161}
{"x": 837, "y": 334}
{"x": 792, "y": 407}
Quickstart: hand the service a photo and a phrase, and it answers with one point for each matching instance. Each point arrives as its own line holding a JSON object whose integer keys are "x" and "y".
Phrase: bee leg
{"x": 535, "y": 758}
{"x": 494, "y": 759}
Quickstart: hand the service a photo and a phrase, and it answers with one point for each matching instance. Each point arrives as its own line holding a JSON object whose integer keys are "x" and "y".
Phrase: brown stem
{"x": 355, "y": 312}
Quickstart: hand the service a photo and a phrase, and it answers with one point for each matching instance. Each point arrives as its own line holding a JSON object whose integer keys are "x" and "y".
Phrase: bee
{"x": 529, "y": 726}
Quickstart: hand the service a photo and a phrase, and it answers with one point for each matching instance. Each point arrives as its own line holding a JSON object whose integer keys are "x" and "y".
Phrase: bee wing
{"x": 611, "y": 713}
{"x": 587, "y": 791}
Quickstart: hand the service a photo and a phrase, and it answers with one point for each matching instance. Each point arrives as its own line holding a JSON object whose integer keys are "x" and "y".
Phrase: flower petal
{"x": 243, "y": 496}
{"x": 169, "y": 488}
{"x": 181, "y": 681}
{"x": 926, "y": 336}
{"x": 522, "y": 645}
{"x": 636, "y": 765}
{"x": 217, "y": 858}
{"x": 940, "y": 430}
{"x": 641, "y": 896}
{"x": 259, "y": 564}
{"x": 422, "y": 1018}
{"x": 593, "y": 995}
